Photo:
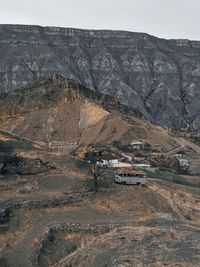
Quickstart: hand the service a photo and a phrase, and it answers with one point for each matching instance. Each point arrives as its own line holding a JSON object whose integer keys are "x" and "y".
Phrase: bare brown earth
{"x": 53, "y": 218}
{"x": 138, "y": 246}
{"x": 55, "y": 112}
{"x": 119, "y": 226}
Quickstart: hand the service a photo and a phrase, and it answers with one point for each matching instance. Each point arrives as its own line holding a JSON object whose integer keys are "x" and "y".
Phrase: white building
{"x": 183, "y": 162}
{"x": 137, "y": 145}
{"x": 114, "y": 163}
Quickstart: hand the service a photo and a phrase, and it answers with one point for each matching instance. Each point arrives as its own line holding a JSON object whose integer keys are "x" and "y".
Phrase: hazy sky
{"x": 162, "y": 18}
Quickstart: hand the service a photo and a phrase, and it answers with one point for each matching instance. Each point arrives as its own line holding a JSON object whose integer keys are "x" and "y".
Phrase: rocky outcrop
{"x": 159, "y": 77}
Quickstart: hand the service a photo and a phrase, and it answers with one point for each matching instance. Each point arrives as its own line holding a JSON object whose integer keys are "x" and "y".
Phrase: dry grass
{"x": 107, "y": 204}
{"x": 35, "y": 243}
{"x": 132, "y": 254}
{"x": 183, "y": 204}
{"x": 12, "y": 238}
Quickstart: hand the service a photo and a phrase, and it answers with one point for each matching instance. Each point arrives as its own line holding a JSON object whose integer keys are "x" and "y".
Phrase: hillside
{"x": 59, "y": 112}
{"x": 158, "y": 77}
{"x": 55, "y": 111}
{"x": 49, "y": 214}
{"x": 137, "y": 246}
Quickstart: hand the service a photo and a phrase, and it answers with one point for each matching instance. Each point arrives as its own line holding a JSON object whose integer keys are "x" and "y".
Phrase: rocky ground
{"x": 140, "y": 246}
{"x": 54, "y": 218}
{"x": 58, "y": 112}
{"x": 49, "y": 214}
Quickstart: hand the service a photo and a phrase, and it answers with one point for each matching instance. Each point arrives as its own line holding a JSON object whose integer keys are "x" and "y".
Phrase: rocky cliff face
{"x": 159, "y": 77}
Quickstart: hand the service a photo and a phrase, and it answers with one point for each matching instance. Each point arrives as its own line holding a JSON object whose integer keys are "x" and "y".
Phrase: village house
{"x": 112, "y": 161}
{"x": 137, "y": 145}
{"x": 183, "y": 162}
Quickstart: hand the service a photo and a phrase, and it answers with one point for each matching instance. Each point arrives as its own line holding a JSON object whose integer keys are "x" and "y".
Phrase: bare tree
{"x": 96, "y": 172}
{"x": 95, "y": 168}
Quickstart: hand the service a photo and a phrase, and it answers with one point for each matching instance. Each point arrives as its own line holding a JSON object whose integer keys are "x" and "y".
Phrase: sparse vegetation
{"x": 45, "y": 186}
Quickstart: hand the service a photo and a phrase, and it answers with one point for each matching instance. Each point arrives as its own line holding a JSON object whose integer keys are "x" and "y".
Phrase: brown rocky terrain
{"x": 57, "y": 112}
{"x": 138, "y": 246}
{"x": 54, "y": 111}
{"x": 49, "y": 214}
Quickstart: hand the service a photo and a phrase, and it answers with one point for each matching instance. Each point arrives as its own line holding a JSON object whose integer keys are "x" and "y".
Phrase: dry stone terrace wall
{"x": 159, "y": 77}
{"x": 170, "y": 233}
{"x": 7, "y": 206}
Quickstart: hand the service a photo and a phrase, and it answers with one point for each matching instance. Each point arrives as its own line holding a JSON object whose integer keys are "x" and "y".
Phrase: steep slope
{"x": 138, "y": 246}
{"x": 159, "y": 77}
{"x": 53, "y": 218}
{"x": 55, "y": 111}
{"x": 58, "y": 111}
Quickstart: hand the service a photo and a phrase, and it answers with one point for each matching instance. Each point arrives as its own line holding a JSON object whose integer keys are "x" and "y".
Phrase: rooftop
{"x": 136, "y": 143}
{"x": 129, "y": 171}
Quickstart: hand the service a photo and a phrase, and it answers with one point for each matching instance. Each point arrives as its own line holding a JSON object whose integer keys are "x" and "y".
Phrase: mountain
{"x": 49, "y": 215}
{"x": 58, "y": 112}
{"x": 160, "y": 78}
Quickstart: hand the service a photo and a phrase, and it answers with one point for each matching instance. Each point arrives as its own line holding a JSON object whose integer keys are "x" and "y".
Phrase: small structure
{"x": 87, "y": 151}
{"x": 108, "y": 159}
{"x": 127, "y": 157}
{"x": 139, "y": 159}
{"x": 183, "y": 166}
{"x": 114, "y": 163}
{"x": 141, "y": 165}
{"x": 121, "y": 164}
{"x": 183, "y": 162}
{"x": 131, "y": 177}
{"x": 137, "y": 145}
{"x": 179, "y": 154}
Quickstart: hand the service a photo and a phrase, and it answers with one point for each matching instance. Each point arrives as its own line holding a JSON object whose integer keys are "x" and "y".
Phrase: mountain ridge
{"x": 61, "y": 89}
{"x": 158, "y": 77}
{"x": 75, "y": 30}
{"x": 59, "y": 111}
